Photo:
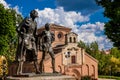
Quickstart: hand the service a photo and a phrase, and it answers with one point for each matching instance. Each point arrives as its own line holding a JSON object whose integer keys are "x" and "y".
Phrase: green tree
{"x": 115, "y": 65}
{"x": 7, "y": 31}
{"x": 115, "y": 52}
{"x": 112, "y": 27}
{"x": 91, "y": 48}
{"x": 81, "y": 44}
{"x": 103, "y": 59}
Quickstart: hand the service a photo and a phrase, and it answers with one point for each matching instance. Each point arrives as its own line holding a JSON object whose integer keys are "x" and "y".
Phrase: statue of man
{"x": 27, "y": 32}
{"x": 45, "y": 45}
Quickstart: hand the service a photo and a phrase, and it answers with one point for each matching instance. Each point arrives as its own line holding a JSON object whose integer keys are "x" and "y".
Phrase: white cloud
{"x": 86, "y": 37}
{"x": 94, "y": 32}
{"x": 7, "y": 6}
{"x": 17, "y": 9}
{"x": 104, "y": 42}
{"x": 4, "y": 4}
{"x": 95, "y": 28}
{"x": 86, "y": 32}
{"x": 59, "y": 16}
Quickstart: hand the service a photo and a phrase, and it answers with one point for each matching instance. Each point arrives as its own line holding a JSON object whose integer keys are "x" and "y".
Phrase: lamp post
{"x": 67, "y": 55}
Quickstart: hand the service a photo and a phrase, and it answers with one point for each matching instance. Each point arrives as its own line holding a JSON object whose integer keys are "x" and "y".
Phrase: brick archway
{"x": 93, "y": 71}
{"x": 76, "y": 73}
{"x": 87, "y": 69}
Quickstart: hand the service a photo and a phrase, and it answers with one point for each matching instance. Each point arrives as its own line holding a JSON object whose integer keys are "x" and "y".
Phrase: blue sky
{"x": 25, "y": 6}
{"x": 85, "y": 17}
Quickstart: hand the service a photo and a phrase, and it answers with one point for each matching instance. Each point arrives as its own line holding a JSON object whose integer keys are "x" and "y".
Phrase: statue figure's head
{"x": 47, "y": 26}
{"x": 33, "y": 14}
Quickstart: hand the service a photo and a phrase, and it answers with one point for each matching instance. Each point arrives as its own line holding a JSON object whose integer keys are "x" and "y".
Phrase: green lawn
{"x": 109, "y": 77}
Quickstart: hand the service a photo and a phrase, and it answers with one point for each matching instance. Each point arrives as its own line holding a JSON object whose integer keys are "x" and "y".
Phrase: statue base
{"x": 25, "y": 75}
{"x": 43, "y": 76}
{"x": 35, "y": 75}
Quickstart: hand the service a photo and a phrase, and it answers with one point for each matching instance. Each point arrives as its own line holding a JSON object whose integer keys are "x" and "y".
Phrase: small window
{"x": 73, "y": 59}
{"x": 74, "y": 40}
{"x": 60, "y": 35}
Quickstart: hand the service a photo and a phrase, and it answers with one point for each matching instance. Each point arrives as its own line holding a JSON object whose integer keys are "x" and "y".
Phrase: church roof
{"x": 72, "y": 33}
{"x": 59, "y": 26}
{"x": 55, "y": 26}
{"x": 58, "y": 48}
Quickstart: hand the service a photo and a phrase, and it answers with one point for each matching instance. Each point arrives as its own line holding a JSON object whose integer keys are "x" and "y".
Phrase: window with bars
{"x": 73, "y": 59}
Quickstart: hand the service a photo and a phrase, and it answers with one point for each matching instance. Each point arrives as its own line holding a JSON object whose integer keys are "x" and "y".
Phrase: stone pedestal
{"x": 43, "y": 77}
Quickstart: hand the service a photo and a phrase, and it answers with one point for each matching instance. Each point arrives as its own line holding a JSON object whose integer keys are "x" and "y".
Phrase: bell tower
{"x": 71, "y": 38}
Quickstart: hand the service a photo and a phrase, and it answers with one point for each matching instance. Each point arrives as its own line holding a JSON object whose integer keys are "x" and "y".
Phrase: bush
{"x": 86, "y": 78}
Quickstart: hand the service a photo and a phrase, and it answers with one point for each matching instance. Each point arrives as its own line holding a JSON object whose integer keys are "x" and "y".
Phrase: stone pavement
{"x": 105, "y": 79}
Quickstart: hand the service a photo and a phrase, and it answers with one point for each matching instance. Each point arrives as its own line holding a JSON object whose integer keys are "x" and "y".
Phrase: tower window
{"x": 74, "y": 40}
{"x": 70, "y": 39}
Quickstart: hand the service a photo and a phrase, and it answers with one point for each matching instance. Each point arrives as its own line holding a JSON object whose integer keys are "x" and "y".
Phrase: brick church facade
{"x": 69, "y": 58}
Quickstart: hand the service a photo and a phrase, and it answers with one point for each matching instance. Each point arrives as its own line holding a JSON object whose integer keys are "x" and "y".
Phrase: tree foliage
{"x": 115, "y": 65}
{"x": 108, "y": 64}
{"x": 112, "y": 27}
{"x": 7, "y": 31}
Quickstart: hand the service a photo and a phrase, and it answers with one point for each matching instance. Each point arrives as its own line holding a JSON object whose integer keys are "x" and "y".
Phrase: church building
{"x": 69, "y": 58}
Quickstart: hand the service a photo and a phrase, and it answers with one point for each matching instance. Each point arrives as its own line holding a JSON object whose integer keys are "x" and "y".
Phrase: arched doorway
{"x": 76, "y": 73}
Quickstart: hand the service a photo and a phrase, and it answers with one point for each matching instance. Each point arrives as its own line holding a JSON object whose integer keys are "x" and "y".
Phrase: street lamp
{"x": 67, "y": 55}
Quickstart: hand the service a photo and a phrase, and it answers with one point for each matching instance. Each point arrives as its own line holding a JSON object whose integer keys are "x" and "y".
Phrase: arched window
{"x": 87, "y": 69}
{"x": 70, "y": 40}
{"x": 93, "y": 71}
{"x": 74, "y": 40}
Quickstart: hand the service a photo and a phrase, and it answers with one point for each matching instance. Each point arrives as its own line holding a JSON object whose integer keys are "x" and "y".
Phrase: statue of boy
{"x": 46, "y": 40}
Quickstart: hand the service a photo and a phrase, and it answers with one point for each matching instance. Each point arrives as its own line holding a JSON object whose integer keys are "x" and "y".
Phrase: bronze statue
{"x": 45, "y": 46}
{"x": 27, "y": 33}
